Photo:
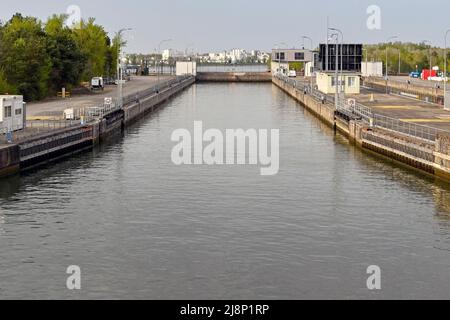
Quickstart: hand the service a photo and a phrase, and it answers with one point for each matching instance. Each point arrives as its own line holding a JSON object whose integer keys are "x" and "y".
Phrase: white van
{"x": 292, "y": 74}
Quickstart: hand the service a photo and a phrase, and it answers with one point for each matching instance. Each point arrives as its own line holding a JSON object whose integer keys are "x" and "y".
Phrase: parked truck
{"x": 97, "y": 83}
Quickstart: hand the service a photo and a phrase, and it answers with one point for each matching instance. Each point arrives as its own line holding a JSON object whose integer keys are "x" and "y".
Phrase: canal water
{"x": 140, "y": 227}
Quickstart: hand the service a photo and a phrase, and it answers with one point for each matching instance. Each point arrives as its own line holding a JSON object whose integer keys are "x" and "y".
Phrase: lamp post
{"x": 336, "y": 94}
{"x": 159, "y": 52}
{"x": 279, "y": 53}
{"x": 431, "y": 63}
{"x": 387, "y": 42}
{"x": 119, "y": 66}
{"x": 342, "y": 58}
{"x": 312, "y": 60}
{"x": 445, "y": 69}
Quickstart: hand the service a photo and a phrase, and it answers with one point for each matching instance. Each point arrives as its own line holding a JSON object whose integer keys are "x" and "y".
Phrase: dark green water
{"x": 141, "y": 227}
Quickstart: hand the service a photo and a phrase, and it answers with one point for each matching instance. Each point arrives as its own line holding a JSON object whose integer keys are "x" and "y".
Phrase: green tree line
{"x": 406, "y": 57}
{"x": 38, "y": 58}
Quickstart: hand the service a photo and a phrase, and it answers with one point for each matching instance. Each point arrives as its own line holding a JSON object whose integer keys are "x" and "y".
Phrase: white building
{"x": 326, "y": 82}
{"x": 186, "y": 68}
{"x": 169, "y": 53}
{"x": 12, "y": 113}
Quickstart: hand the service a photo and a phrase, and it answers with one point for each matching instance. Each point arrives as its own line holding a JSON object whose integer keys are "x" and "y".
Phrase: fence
{"x": 100, "y": 111}
{"x": 87, "y": 114}
{"x": 367, "y": 115}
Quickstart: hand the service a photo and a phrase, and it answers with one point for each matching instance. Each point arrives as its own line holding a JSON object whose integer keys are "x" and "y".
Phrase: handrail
{"x": 370, "y": 117}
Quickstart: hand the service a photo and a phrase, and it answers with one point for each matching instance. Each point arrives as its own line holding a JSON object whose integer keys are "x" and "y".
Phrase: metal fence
{"x": 368, "y": 116}
{"x": 97, "y": 112}
{"x": 85, "y": 115}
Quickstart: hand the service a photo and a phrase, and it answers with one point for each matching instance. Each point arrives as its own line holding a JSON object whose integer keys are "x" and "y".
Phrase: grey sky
{"x": 214, "y": 25}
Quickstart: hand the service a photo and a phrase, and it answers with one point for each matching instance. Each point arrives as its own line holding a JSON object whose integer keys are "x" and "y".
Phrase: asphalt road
{"x": 417, "y": 82}
{"x": 55, "y": 107}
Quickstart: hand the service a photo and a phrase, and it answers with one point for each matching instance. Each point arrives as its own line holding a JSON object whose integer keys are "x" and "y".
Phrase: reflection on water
{"x": 140, "y": 227}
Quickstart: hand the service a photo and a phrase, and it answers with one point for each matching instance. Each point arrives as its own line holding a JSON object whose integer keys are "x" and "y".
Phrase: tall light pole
{"x": 119, "y": 66}
{"x": 336, "y": 94}
{"x": 387, "y": 42}
{"x": 279, "y": 53}
{"x": 312, "y": 60}
{"x": 445, "y": 69}
{"x": 342, "y": 58}
{"x": 431, "y": 63}
{"x": 159, "y": 52}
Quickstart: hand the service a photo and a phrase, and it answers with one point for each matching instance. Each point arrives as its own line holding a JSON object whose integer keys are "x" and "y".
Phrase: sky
{"x": 217, "y": 25}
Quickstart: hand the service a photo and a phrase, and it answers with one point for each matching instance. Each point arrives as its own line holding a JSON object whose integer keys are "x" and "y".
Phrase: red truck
{"x": 426, "y": 73}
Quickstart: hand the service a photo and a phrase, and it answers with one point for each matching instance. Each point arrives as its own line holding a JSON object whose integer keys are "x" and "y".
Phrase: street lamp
{"x": 387, "y": 42}
{"x": 279, "y": 53}
{"x": 431, "y": 63}
{"x": 336, "y": 94}
{"x": 119, "y": 66}
{"x": 159, "y": 52}
{"x": 342, "y": 58}
{"x": 445, "y": 70}
{"x": 312, "y": 60}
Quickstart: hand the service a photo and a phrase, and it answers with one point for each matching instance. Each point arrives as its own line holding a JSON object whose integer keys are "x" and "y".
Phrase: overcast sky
{"x": 214, "y": 25}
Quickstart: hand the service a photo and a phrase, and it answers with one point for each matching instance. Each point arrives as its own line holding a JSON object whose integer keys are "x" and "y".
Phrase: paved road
{"x": 417, "y": 82}
{"x": 55, "y": 107}
{"x": 406, "y": 109}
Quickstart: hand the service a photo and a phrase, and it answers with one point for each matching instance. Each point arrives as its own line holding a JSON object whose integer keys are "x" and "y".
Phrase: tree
{"x": 93, "y": 42}
{"x": 67, "y": 58}
{"x": 24, "y": 58}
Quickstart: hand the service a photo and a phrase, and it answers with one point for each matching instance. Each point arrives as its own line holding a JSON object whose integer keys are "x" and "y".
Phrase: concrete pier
{"x": 432, "y": 157}
{"x": 48, "y": 146}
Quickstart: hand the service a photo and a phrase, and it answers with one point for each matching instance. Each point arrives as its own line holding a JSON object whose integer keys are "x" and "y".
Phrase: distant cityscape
{"x": 231, "y": 56}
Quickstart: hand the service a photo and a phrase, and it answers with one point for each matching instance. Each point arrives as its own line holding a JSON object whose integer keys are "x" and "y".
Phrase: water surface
{"x": 141, "y": 227}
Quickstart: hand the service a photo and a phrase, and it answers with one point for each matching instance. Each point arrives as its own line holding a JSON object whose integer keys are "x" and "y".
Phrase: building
{"x": 348, "y": 63}
{"x": 168, "y": 54}
{"x": 186, "y": 68}
{"x": 281, "y": 58}
{"x": 349, "y": 57}
{"x": 12, "y": 113}
{"x": 372, "y": 69}
{"x": 350, "y": 82}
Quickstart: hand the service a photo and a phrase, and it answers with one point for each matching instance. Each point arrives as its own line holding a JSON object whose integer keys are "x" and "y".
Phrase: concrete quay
{"x": 49, "y": 146}
{"x": 429, "y": 156}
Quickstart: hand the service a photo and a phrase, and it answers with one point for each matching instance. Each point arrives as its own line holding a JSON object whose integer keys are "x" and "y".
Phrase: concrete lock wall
{"x": 234, "y": 77}
{"x": 432, "y": 157}
{"x": 9, "y": 160}
{"x": 61, "y": 143}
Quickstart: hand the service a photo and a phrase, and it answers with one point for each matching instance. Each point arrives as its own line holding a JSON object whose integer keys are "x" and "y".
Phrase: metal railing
{"x": 369, "y": 117}
{"x": 98, "y": 112}
{"x": 87, "y": 114}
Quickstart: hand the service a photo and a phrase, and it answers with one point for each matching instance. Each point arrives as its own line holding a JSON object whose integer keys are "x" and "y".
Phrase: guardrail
{"x": 368, "y": 116}
{"x": 97, "y": 112}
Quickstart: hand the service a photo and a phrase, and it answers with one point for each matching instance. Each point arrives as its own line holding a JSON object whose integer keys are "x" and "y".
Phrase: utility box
{"x": 186, "y": 68}
{"x": 12, "y": 113}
